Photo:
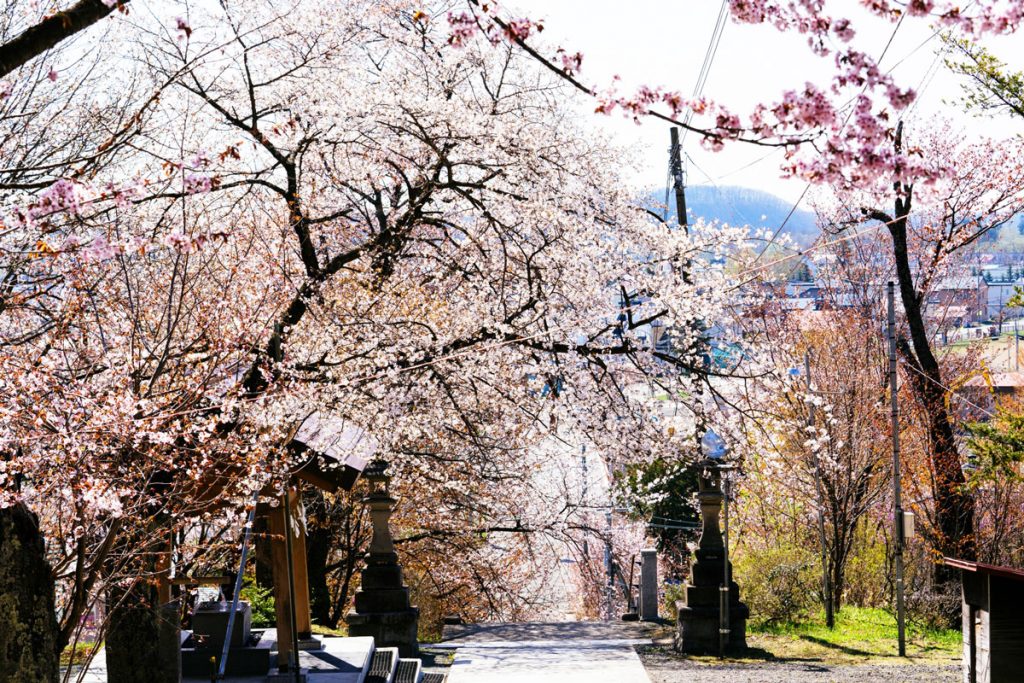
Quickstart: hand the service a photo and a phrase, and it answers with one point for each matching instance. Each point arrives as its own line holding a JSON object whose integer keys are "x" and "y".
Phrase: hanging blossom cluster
{"x": 464, "y": 25}
{"x": 47, "y": 212}
{"x": 828, "y": 138}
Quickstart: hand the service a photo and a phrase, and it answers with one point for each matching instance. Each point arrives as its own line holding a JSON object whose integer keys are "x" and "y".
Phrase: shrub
{"x": 866, "y": 584}
{"x": 261, "y": 602}
{"x": 779, "y": 584}
{"x": 672, "y": 591}
{"x": 935, "y": 607}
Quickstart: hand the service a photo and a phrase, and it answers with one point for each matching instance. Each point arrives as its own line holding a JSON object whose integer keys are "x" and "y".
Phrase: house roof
{"x": 982, "y": 568}
{"x": 338, "y": 451}
{"x": 958, "y": 282}
{"x": 998, "y": 379}
{"x": 940, "y": 312}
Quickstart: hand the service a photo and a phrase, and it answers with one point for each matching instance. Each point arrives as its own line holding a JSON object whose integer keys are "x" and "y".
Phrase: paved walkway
{"x": 590, "y": 652}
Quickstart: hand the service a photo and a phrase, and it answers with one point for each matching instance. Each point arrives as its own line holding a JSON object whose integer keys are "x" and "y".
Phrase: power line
{"x": 709, "y": 58}
{"x": 698, "y": 90}
{"x": 846, "y": 121}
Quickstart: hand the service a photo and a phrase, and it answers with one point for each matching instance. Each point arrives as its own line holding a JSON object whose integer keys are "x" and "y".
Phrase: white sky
{"x": 662, "y": 43}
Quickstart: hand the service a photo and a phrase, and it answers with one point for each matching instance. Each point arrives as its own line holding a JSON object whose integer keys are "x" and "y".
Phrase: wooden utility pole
{"x": 826, "y": 583}
{"x": 1016, "y": 347}
{"x": 678, "y": 184}
{"x": 896, "y": 502}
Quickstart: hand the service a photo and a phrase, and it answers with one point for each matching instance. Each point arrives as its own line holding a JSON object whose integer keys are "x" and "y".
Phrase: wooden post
{"x": 303, "y": 621}
{"x": 282, "y": 601}
{"x": 279, "y": 565}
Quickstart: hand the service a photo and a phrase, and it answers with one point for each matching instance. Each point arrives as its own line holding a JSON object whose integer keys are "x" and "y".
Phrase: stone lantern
{"x": 711, "y": 619}
{"x": 382, "y": 608}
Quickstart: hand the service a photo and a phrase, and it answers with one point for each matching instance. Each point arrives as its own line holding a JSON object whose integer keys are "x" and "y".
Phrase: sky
{"x": 663, "y": 43}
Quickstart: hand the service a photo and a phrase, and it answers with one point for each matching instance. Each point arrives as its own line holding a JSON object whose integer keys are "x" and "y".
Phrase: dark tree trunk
{"x": 261, "y": 548}
{"x": 28, "y": 623}
{"x": 142, "y": 639}
{"x": 318, "y": 548}
{"x": 954, "y": 508}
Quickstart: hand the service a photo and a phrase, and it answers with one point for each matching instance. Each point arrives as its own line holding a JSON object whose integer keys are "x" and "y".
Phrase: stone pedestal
{"x": 382, "y": 608}
{"x": 201, "y": 652}
{"x": 649, "y": 585}
{"x": 699, "y": 615}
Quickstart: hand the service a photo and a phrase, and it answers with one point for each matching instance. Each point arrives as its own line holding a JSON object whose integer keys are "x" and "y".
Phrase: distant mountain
{"x": 743, "y": 206}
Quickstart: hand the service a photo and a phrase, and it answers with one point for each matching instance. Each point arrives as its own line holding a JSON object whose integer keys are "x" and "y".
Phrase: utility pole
{"x": 293, "y": 656}
{"x": 608, "y": 563}
{"x": 583, "y": 497}
{"x": 723, "y": 595}
{"x": 897, "y": 504}
{"x": 1016, "y": 346}
{"x": 678, "y": 184}
{"x": 826, "y": 587}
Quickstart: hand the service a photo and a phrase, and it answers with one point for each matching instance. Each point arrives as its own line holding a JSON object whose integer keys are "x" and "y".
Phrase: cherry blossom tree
{"x": 984, "y": 189}
{"x": 322, "y": 210}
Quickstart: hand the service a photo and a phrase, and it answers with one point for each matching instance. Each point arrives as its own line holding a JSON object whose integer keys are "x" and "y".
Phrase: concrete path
{"x": 587, "y": 652}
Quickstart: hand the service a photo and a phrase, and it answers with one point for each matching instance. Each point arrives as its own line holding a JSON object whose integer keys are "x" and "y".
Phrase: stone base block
{"x": 276, "y": 676}
{"x": 382, "y": 600}
{"x": 697, "y": 629}
{"x": 311, "y": 643}
{"x": 388, "y": 629}
{"x": 242, "y": 661}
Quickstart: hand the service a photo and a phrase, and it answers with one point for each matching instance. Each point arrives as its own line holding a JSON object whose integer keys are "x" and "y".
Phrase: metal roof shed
{"x": 993, "y": 621}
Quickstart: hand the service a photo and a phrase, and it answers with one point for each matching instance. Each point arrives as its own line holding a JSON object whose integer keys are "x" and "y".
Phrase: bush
{"x": 261, "y": 602}
{"x": 867, "y": 568}
{"x": 672, "y": 592}
{"x": 934, "y": 608}
{"x": 779, "y": 584}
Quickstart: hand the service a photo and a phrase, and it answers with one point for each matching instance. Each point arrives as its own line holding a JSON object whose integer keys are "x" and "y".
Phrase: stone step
{"x": 408, "y": 671}
{"x": 382, "y": 668}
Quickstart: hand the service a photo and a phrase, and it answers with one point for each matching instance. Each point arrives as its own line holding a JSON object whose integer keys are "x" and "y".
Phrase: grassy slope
{"x": 861, "y": 635}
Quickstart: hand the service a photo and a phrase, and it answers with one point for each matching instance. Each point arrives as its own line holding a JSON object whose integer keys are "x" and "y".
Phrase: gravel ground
{"x": 664, "y": 666}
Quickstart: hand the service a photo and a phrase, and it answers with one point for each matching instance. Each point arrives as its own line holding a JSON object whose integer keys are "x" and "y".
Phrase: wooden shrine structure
{"x": 332, "y": 458}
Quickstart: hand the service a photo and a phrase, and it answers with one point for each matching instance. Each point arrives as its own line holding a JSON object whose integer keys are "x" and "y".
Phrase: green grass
{"x": 861, "y": 634}
{"x": 339, "y": 632}
{"x": 77, "y": 654}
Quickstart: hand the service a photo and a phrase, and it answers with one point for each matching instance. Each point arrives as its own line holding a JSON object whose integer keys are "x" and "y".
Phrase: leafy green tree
{"x": 992, "y": 87}
{"x": 663, "y": 492}
{"x": 997, "y": 448}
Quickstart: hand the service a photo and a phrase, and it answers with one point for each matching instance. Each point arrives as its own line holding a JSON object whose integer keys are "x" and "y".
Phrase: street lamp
{"x": 715, "y": 450}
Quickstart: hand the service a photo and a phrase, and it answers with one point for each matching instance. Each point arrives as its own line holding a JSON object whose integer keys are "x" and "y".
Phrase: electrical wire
{"x": 849, "y": 115}
{"x": 949, "y": 391}
{"x": 698, "y": 89}
{"x": 709, "y": 58}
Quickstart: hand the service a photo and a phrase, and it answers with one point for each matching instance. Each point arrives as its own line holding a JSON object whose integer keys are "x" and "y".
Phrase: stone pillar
{"x": 649, "y": 585}
{"x": 382, "y": 608}
{"x": 699, "y": 614}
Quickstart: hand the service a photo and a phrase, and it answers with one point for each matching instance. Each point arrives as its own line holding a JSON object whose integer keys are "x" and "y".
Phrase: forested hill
{"x": 743, "y": 206}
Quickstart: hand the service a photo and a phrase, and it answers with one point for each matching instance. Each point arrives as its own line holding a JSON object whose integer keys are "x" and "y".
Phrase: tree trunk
{"x": 261, "y": 547}
{"x": 954, "y": 508}
{"x": 28, "y": 624}
{"x": 318, "y": 549}
{"x": 142, "y": 639}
